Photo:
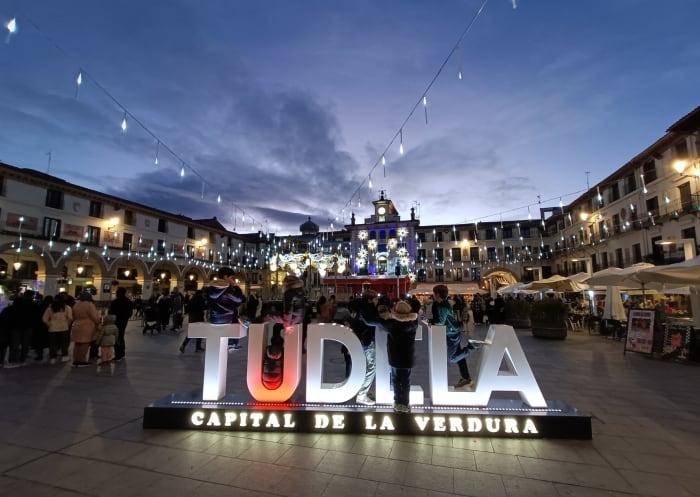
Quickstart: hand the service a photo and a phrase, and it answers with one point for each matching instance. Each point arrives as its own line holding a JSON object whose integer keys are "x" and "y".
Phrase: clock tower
{"x": 384, "y": 209}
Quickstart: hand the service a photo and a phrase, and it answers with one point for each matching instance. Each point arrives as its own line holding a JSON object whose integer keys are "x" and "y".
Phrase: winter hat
{"x": 402, "y": 312}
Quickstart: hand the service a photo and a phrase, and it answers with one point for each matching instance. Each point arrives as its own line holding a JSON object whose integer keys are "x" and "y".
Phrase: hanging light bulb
{"x": 124, "y": 123}
{"x": 425, "y": 108}
{"x": 401, "y": 141}
{"x": 79, "y": 79}
{"x": 218, "y": 199}
{"x": 383, "y": 160}
{"x": 12, "y": 26}
{"x": 182, "y": 171}
{"x": 515, "y": 4}
{"x": 155, "y": 162}
{"x": 459, "y": 63}
{"x": 370, "y": 181}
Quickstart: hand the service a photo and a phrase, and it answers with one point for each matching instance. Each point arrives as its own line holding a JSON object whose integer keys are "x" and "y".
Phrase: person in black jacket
{"x": 122, "y": 308}
{"x": 401, "y": 324}
{"x": 196, "y": 310}
{"x": 365, "y": 312}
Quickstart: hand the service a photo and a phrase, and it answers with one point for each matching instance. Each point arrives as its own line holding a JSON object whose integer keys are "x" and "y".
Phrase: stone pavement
{"x": 76, "y": 432}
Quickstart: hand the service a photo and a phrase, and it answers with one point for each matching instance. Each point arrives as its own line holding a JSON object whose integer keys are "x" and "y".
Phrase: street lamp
{"x": 680, "y": 165}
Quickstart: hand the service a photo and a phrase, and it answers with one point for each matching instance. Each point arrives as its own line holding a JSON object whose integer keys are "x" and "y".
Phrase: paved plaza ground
{"x": 77, "y": 432}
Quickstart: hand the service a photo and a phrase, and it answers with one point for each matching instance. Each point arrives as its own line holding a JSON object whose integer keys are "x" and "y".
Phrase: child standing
{"x": 107, "y": 338}
{"x": 401, "y": 324}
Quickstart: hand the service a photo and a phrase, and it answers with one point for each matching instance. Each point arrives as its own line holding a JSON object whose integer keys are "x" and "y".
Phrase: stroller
{"x": 151, "y": 319}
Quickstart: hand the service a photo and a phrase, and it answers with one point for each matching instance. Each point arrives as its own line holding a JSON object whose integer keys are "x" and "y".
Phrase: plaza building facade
{"x": 56, "y": 236}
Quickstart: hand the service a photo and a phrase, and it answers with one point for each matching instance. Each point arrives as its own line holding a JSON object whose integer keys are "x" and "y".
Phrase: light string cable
{"x": 525, "y": 207}
{"x": 420, "y": 101}
{"x": 84, "y": 74}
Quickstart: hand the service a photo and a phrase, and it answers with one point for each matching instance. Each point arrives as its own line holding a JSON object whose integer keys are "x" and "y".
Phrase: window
{"x": 437, "y": 236}
{"x": 421, "y": 236}
{"x": 507, "y": 232}
{"x": 508, "y": 253}
{"x": 2, "y": 185}
{"x": 614, "y": 192}
{"x": 630, "y": 184}
{"x": 382, "y": 234}
{"x": 637, "y": 251}
{"x": 616, "y": 223}
{"x": 439, "y": 255}
{"x": 456, "y": 254}
{"x": 439, "y": 274}
{"x": 491, "y": 253}
{"x": 51, "y": 228}
{"x": 653, "y": 206}
{"x": 381, "y": 247}
{"x": 190, "y": 232}
{"x": 474, "y": 253}
{"x": 92, "y": 235}
{"x": 372, "y": 235}
{"x": 455, "y": 236}
{"x": 649, "y": 171}
{"x": 605, "y": 260}
{"x": 162, "y": 226}
{"x": 491, "y": 233}
{"x": 128, "y": 217}
{"x": 95, "y": 209}
{"x": 160, "y": 249}
{"x": 54, "y": 199}
{"x": 618, "y": 257}
{"x": 421, "y": 255}
{"x": 525, "y": 232}
{"x": 681, "y": 149}
{"x": 392, "y": 233}
{"x": 127, "y": 240}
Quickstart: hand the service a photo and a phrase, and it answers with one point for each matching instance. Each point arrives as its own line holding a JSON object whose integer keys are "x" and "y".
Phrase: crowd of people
{"x": 53, "y": 323}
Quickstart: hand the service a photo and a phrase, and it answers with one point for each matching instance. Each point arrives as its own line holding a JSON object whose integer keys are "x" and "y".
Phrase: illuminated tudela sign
{"x": 442, "y": 410}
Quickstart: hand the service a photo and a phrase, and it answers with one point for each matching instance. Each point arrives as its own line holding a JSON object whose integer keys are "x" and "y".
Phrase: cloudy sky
{"x": 284, "y": 108}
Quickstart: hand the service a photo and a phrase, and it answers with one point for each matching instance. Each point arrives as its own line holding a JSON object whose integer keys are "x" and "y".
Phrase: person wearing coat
{"x": 58, "y": 318}
{"x": 401, "y": 324}
{"x": 108, "y": 335}
{"x": 86, "y": 322}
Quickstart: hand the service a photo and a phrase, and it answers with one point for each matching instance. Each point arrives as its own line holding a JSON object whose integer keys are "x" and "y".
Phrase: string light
{"x": 218, "y": 199}
{"x": 425, "y": 108}
{"x": 459, "y": 62}
{"x": 182, "y": 171}
{"x": 124, "y": 123}
{"x": 401, "y": 141}
{"x": 157, "y": 151}
{"x": 78, "y": 82}
{"x": 370, "y": 181}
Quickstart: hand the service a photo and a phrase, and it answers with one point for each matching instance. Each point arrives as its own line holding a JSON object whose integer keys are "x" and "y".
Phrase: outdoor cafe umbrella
{"x": 614, "y": 308}
{"x": 686, "y": 273}
{"x": 557, "y": 283}
{"x": 622, "y": 277}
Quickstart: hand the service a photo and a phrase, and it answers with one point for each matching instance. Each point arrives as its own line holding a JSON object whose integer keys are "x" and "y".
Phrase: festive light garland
{"x": 83, "y": 75}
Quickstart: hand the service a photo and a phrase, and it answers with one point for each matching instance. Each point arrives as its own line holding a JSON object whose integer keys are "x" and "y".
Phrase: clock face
{"x": 381, "y": 210}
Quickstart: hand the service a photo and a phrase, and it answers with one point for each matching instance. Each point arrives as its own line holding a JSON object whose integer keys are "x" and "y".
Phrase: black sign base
{"x": 501, "y": 418}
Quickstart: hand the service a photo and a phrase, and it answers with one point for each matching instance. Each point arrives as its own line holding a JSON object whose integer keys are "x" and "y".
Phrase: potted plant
{"x": 548, "y": 318}
{"x": 518, "y": 313}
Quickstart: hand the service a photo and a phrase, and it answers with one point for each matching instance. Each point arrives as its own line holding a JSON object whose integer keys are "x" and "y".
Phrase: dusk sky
{"x": 284, "y": 108}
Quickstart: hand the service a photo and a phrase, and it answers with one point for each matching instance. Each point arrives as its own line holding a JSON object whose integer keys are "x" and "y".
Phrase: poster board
{"x": 640, "y": 331}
